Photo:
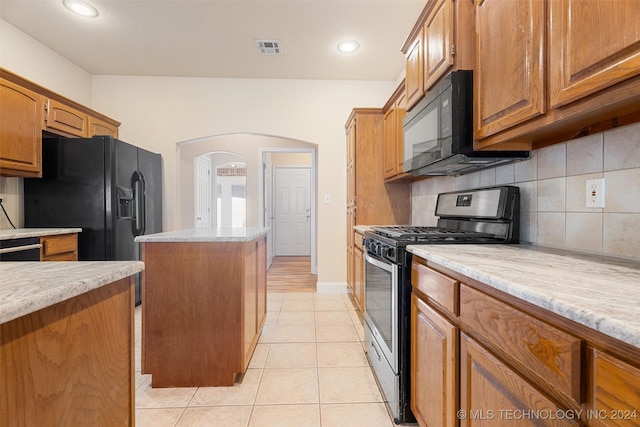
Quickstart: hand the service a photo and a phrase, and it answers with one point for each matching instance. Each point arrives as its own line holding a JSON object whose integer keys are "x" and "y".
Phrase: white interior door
{"x": 203, "y": 197}
{"x": 269, "y": 214}
{"x": 292, "y": 208}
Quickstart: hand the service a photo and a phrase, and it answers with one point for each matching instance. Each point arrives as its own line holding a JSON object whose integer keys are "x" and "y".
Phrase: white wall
{"x": 157, "y": 112}
{"x": 26, "y": 57}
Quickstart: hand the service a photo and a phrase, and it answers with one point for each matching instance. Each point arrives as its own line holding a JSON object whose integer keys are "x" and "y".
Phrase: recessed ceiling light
{"x": 348, "y": 46}
{"x": 81, "y": 8}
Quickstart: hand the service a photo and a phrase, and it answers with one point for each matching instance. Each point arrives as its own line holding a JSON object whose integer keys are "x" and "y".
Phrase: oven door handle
{"x": 380, "y": 264}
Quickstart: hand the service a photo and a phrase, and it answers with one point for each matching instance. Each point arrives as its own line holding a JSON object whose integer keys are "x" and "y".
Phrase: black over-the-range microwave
{"x": 438, "y": 132}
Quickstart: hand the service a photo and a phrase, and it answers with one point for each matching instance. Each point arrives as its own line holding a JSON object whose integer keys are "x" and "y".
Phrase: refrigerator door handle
{"x": 138, "y": 191}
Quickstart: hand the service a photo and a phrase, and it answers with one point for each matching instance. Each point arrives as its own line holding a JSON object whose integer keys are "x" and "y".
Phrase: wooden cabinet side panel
{"x": 71, "y": 363}
{"x": 509, "y": 42}
{"x": 377, "y": 202}
{"x": 21, "y": 115}
{"x": 578, "y": 68}
{"x": 390, "y": 133}
{"x": 434, "y": 363}
{"x": 249, "y": 324}
{"x": 192, "y": 294}
{"x": 492, "y": 392}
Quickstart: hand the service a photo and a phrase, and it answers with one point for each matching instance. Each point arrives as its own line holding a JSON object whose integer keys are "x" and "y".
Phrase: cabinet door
{"x": 389, "y": 145}
{"x": 21, "y": 131}
{"x": 61, "y": 117}
{"x": 612, "y": 54}
{"x": 99, "y": 127}
{"x": 414, "y": 82}
{"x": 401, "y": 111}
{"x": 492, "y": 394}
{"x": 434, "y": 351}
{"x": 614, "y": 392}
{"x": 351, "y": 164}
{"x": 358, "y": 277}
{"x": 509, "y": 73}
{"x": 438, "y": 42}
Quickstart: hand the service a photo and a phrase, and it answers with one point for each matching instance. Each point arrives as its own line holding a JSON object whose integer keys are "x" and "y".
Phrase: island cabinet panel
{"x": 579, "y": 68}
{"x": 493, "y": 394}
{"x": 71, "y": 364}
{"x": 204, "y": 306}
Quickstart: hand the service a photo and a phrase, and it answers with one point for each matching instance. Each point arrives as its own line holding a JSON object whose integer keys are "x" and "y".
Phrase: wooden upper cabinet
{"x": 438, "y": 42}
{"x": 612, "y": 53}
{"x": 21, "y": 115}
{"x": 351, "y": 165}
{"x": 66, "y": 119}
{"x": 414, "y": 82}
{"x": 101, "y": 127}
{"x": 389, "y": 154}
{"x": 393, "y": 144}
{"x": 509, "y": 67}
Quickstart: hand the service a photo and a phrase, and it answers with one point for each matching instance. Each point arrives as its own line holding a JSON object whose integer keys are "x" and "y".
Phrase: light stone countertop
{"x": 223, "y": 234}
{"x": 20, "y": 233}
{"x": 26, "y": 287}
{"x": 599, "y": 292}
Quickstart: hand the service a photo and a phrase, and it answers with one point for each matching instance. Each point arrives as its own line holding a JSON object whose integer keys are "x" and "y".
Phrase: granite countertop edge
{"x": 27, "y": 287}
{"x": 221, "y": 235}
{"x": 20, "y": 233}
{"x": 557, "y": 298}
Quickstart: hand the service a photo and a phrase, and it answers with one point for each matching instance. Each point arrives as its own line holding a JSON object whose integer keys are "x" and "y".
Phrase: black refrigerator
{"x": 111, "y": 189}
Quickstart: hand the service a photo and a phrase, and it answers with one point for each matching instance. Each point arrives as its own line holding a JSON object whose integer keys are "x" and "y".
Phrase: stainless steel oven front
{"x": 381, "y": 331}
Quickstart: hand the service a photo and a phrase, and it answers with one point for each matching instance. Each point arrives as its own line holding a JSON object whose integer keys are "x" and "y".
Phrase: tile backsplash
{"x": 553, "y": 193}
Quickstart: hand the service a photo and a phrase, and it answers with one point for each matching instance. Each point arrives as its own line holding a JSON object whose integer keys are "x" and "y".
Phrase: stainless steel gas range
{"x": 487, "y": 215}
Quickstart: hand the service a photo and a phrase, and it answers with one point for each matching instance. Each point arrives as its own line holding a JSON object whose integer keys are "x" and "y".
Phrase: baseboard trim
{"x": 332, "y": 288}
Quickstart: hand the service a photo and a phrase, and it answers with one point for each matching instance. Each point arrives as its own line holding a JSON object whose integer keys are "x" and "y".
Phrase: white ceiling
{"x": 216, "y": 38}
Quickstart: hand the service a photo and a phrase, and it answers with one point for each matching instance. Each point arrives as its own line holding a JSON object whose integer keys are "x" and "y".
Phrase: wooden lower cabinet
{"x": 61, "y": 247}
{"x": 204, "y": 305}
{"x": 493, "y": 394}
{"x": 614, "y": 391}
{"x": 71, "y": 364}
{"x": 434, "y": 366}
{"x": 358, "y": 272}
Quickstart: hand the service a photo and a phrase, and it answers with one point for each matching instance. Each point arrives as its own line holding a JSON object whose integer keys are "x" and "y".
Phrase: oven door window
{"x": 380, "y": 299}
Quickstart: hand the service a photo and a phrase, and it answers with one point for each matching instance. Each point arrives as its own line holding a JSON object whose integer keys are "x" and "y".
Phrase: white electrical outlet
{"x": 595, "y": 193}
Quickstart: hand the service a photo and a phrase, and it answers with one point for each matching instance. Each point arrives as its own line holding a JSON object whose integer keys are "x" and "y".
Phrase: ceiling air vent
{"x": 269, "y": 47}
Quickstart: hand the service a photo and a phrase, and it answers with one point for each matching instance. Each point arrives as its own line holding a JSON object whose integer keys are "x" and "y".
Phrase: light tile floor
{"x": 308, "y": 370}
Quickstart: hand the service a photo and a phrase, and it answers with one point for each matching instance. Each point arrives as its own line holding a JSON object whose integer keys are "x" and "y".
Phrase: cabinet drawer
{"x": 59, "y": 248}
{"x": 551, "y": 355}
{"x": 439, "y": 288}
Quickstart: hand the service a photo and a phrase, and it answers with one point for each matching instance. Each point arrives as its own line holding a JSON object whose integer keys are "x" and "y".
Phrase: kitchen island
{"x": 67, "y": 343}
{"x": 204, "y": 302}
